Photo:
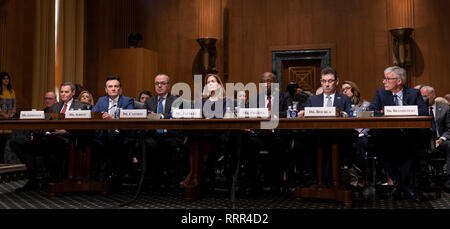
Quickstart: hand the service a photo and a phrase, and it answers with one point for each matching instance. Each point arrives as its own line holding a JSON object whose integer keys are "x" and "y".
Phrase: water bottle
{"x": 352, "y": 111}
{"x": 236, "y": 111}
{"x": 289, "y": 112}
{"x": 294, "y": 112}
{"x": 228, "y": 113}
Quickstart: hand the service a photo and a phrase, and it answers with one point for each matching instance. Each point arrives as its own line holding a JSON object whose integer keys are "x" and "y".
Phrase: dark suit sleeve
{"x": 308, "y": 103}
{"x": 347, "y": 104}
{"x": 376, "y": 105}
{"x": 97, "y": 106}
{"x": 285, "y": 102}
{"x": 421, "y": 104}
{"x": 130, "y": 104}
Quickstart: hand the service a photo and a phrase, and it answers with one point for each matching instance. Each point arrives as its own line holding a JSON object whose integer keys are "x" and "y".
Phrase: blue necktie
{"x": 396, "y": 100}
{"x": 160, "y": 111}
{"x": 329, "y": 102}
{"x": 433, "y": 122}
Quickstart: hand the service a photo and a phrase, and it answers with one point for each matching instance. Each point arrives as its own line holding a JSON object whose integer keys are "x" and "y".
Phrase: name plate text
{"x": 32, "y": 115}
{"x": 401, "y": 110}
{"x": 320, "y": 111}
{"x": 253, "y": 113}
{"x": 186, "y": 113}
{"x": 75, "y": 114}
{"x": 134, "y": 113}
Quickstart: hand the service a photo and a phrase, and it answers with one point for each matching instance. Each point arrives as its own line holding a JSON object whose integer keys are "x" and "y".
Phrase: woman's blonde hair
{"x": 220, "y": 91}
{"x": 91, "y": 100}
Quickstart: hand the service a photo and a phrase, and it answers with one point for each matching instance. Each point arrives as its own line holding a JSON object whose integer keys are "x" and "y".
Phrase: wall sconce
{"x": 208, "y": 55}
{"x": 402, "y": 51}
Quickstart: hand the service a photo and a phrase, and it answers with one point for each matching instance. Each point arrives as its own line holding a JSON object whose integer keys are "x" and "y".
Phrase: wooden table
{"x": 335, "y": 191}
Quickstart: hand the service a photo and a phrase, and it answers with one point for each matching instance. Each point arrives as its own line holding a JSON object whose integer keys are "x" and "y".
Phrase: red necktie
{"x": 64, "y": 108}
{"x": 269, "y": 104}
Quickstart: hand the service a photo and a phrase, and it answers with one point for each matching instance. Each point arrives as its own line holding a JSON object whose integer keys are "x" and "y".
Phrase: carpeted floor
{"x": 218, "y": 199}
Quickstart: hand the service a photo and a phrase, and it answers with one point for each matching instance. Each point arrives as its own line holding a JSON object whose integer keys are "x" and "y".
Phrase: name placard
{"x": 253, "y": 113}
{"x": 32, "y": 115}
{"x": 75, "y": 114}
{"x": 133, "y": 113}
{"x": 320, "y": 111}
{"x": 186, "y": 113}
{"x": 401, "y": 110}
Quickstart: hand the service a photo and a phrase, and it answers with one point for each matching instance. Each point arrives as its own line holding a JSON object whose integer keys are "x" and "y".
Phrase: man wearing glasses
{"x": 397, "y": 147}
{"x": 328, "y": 98}
{"x": 162, "y": 144}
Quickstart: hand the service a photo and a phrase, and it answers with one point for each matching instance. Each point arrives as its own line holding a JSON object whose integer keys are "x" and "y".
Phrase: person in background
{"x": 440, "y": 130}
{"x": 86, "y": 98}
{"x": 7, "y": 109}
{"x": 49, "y": 100}
{"x": 447, "y": 97}
{"x": 144, "y": 95}
{"x": 441, "y": 100}
{"x": 351, "y": 90}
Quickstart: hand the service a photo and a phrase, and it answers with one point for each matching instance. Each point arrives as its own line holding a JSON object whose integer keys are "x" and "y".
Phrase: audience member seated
{"x": 7, "y": 109}
{"x": 86, "y": 98}
{"x": 114, "y": 158}
{"x": 398, "y": 158}
{"x": 351, "y": 90}
{"x": 441, "y": 100}
{"x": 440, "y": 128}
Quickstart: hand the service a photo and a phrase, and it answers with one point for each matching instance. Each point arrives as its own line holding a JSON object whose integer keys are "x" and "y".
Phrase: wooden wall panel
{"x": 19, "y": 49}
{"x": 431, "y": 35}
{"x": 358, "y": 29}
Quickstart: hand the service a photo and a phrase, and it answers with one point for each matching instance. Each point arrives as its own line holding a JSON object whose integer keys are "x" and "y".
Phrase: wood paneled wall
{"x": 17, "y": 57}
{"x": 358, "y": 29}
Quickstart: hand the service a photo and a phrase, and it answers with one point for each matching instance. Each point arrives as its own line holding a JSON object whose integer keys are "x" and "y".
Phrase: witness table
{"x": 192, "y": 190}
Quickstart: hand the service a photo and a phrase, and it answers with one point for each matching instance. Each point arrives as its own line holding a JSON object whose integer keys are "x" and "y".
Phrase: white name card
{"x": 401, "y": 110}
{"x": 133, "y": 113}
{"x": 32, "y": 115}
{"x": 186, "y": 113}
{"x": 253, "y": 113}
{"x": 75, "y": 114}
{"x": 320, "y": 111}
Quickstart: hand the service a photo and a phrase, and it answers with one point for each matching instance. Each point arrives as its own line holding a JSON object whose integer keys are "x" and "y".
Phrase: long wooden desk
{"x": 335, "y": 192}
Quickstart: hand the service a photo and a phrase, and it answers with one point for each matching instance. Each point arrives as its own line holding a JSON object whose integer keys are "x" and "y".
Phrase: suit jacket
{"x": 103, "y": 103}
{"x": 443, "y": 120}
{"x": 283, "y": 101}
{"x": 151, "y": 104}
{"x": 341, "y": 101}
{"x": 411, "y": 96}
{"x": 57, "y": 107}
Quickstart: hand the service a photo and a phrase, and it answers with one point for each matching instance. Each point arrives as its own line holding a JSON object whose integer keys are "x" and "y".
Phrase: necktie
{"x": 395, "y": 100}
{"x": 269, "y": 104}
{"x": 329, "y": 103}
{"x": 433, "y": 122}
{"x": 160, "y": 111}
{"x": 63, "y": 111}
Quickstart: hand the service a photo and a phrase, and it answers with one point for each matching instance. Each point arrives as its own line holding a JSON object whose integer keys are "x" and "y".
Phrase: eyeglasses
{"x": 327, "y": 81}
{"x": 386, "y": 78}
{"x": 161, "y": 83}
{"x": 47, "y": 98}
{"x": 346, "y": 88}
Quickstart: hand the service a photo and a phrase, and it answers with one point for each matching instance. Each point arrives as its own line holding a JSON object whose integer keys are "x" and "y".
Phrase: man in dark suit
{"x": 115, "y": 146}
{"x": 440, "y": 130}
{"x": 398, "y": 158}
{"x": 328, "y": 98}
{"x": 266, "y": 149}
{"x": 52, "y": 145}
{"x": 161, "y": 144}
